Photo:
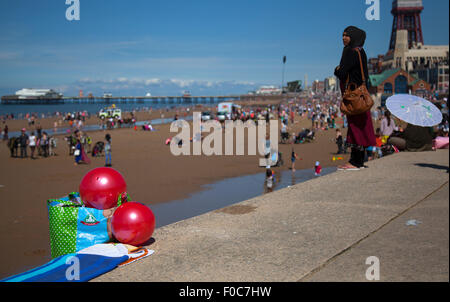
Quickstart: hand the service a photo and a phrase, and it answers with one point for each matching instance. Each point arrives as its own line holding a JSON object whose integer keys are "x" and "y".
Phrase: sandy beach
{"x": 152, "y": 173}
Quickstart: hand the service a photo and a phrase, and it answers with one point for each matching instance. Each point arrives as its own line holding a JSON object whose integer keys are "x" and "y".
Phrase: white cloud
{"x": 152, "y": 81}
{"x": 140, "y": 86}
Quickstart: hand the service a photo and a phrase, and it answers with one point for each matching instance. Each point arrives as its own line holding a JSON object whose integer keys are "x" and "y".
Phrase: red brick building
{"x": 394, "y": 81}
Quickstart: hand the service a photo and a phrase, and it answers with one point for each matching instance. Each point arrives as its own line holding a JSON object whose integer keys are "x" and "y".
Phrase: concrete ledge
{"x": 313, "y": 231}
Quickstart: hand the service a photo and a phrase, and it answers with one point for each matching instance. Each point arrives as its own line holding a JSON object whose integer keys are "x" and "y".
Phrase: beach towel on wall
{"x": 74, "y": 227}
{"x": 83, "y": 266}
{"x": 441, "y": 142}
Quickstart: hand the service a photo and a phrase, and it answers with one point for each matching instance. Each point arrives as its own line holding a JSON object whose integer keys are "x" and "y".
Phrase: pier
{"x": 11, "y": 100}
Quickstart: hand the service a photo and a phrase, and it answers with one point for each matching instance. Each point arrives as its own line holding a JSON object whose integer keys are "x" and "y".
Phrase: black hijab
{"x": 357, "y": 36}
{"x": 357, "y": 39}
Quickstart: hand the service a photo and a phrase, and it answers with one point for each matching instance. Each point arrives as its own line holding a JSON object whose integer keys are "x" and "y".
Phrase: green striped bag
{"x": 74, "y": 227}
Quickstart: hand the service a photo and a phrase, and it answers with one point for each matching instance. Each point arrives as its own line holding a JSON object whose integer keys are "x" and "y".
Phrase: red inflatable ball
{"x": 100, "y": 188}
{"x": 133, "y": 223}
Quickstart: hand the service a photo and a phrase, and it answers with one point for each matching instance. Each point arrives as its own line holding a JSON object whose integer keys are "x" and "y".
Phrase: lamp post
{"x": 282, "y": 76}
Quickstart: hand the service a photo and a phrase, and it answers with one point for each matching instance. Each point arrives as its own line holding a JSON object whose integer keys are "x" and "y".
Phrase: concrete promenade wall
{"x": 320, "y": 230}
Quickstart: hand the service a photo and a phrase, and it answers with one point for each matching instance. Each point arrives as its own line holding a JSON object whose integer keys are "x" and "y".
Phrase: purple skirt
{"x": 360, "y": 130}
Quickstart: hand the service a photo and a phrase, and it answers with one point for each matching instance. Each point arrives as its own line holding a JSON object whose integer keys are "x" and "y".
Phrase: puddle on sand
{"x": 227, "y": 192}
{"x": 97, "y": 127}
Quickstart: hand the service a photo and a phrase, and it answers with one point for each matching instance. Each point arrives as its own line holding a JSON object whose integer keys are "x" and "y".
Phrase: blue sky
{"x": 165, "y": 46}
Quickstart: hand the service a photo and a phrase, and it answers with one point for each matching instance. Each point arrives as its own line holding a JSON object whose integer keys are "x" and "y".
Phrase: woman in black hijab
{"x": 360, "y": 134}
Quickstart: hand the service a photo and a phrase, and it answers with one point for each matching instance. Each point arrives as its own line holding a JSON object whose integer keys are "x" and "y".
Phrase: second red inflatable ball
{"x": 133, "y": 223}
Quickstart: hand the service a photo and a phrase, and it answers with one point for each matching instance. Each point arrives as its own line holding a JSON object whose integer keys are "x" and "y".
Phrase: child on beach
{"x": 77, "y": 152}
{"x": 294, "y": 156}
{"x": 375, "y": 151}
{"x": 108, "y": 150}
{"x": 339, "y": 141}
{"x": 317, "y": 169}
{"x": 269, "y": 179}
{"x": 89, "y": 143}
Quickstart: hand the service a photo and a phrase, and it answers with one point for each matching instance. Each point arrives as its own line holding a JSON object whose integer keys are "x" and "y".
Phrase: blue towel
{"x": 82, "y": 268}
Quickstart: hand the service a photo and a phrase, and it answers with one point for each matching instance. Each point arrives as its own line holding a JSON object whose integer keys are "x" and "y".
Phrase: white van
{"x": 115, "y": 113}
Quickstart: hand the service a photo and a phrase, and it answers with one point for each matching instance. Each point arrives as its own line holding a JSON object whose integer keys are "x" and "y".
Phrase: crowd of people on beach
{"x": 39, "y": 143}
{"x": 321, "y": 109}
{"x": 371, "y": 134}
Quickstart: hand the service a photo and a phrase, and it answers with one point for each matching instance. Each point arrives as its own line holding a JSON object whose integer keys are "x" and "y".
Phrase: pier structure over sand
{"x": 121, "y": 99}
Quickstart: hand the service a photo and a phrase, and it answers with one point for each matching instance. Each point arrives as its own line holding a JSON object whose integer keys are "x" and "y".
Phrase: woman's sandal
{"x": 348, "y": 167}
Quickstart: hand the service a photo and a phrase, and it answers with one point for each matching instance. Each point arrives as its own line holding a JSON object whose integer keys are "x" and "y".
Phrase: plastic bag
{"x": 74, "y": 227}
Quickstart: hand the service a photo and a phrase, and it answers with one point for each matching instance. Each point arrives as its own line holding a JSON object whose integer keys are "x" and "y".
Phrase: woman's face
{"x": 346, "y": 39}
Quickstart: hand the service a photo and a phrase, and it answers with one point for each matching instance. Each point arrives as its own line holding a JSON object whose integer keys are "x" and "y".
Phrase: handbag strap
{"x": 362, "y": 69}
{"x": 361, "y": 64}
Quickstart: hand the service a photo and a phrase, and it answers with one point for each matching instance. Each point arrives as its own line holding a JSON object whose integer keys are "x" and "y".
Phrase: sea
{"x": 50, "y": 110}
{"x": 42, "y": 110}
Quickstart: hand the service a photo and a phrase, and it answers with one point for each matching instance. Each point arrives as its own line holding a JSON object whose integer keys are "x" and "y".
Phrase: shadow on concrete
{"x": 433, "y": 166}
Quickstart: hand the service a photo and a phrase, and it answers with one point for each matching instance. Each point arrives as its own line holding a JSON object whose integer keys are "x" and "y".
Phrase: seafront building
{"x": 268, "y": 90}
{"x": 32, "y": 96}
{"x": 409, "y": 66}
{"x": 29, "y": 93}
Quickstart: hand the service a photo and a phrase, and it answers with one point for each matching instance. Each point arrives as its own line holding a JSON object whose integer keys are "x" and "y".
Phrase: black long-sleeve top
{"x": 350, "y": 65}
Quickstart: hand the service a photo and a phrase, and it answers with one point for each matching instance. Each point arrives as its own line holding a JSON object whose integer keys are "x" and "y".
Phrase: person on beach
{"x": 108, "y": 150}
{"x": 80, "y": 155}
{"x": 413, "y": 139}
{"x": 77, "y": 152}
{"x": 23, "y": 141}
{"x": 44, "y": 144}
{"x": 5, "y": 133}
{"x": 269, "y": 179}
{"x": 88, "y": 143}
{"x": 294, "y": 156}
{"x": 387, "y": 126}
{"x": 39, "y": 131}
{"x": 339, "y": 141}
{"x": 360, "y": 134}
{"x": 375, "y": 151}
{"x": 32, "y": 144}
{"x": 317, "y": 169}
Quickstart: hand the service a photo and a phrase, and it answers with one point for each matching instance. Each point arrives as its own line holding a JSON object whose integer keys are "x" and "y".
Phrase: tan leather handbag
{"x": 356, "y": 100}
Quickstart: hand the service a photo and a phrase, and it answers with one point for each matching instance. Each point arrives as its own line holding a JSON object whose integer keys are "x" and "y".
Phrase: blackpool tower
{"x": 407, "y": 16}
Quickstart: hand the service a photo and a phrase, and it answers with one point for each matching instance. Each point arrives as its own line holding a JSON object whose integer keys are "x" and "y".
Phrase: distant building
{"x": 375, "y": 65}
{"x": 417, "y": 57}
{"x": 407, "y": 50}
{"x": 27, "y": 93}
{"x": 318, "y": 86}
{"x": 442, "y": 84}
{"x": 268, "y": 90}
{"x": 33, "y": 96}
{"x": 394, "y": 81}
{"x": 406, "y": 17}
{"x": 294, "y": 86}
{"x": 437, "y": 76}
{"x": 331, "y": 84}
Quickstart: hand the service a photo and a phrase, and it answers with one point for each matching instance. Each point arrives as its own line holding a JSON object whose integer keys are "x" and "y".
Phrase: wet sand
{"x": 152, "y": 173}
{"x": 48, "y": 123}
